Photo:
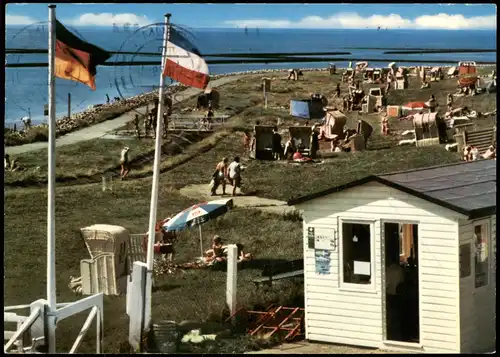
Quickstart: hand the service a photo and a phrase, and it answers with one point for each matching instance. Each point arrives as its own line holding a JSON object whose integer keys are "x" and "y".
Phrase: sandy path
{"x": 98, "y": 130}
{"x": 202, "y": 192}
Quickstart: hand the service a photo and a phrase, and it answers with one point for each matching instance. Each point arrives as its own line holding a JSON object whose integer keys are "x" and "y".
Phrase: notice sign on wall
{"x": 325, "y": 240}
{"x": 322, "y": 238}
{"x": 322, "y": 258}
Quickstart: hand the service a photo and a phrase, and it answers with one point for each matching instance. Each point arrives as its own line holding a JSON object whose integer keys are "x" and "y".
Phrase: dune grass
{"x": 196, "y": 294}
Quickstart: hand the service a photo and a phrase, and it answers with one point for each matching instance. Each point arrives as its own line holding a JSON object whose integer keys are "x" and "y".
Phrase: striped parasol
{"x": 198, "y": 214}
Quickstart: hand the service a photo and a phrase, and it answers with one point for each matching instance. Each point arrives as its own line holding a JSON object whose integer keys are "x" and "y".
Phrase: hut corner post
{"x": 232, "y": 274}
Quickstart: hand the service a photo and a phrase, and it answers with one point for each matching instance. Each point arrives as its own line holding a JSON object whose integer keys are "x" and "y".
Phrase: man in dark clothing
{"x": 337, "y": 91}
{"x": 314, "y": 142}
{"x": 136, "y": 126}
{"x": 277, "y": 149}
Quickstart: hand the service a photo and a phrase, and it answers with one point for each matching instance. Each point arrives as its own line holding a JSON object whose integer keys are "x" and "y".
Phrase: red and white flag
{"x": 186, "y": 67}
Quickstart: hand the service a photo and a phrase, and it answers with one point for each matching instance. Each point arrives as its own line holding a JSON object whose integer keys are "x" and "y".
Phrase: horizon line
{"x": 265, "y": 28}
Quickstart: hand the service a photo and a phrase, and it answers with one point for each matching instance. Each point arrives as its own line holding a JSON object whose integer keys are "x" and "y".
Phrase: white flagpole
{"x": 51, "y": 210}
{"x": 156, "y": 177}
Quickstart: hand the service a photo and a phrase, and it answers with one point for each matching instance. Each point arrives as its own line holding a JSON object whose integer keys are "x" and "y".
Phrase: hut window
{"x": 356, "y": 253}
{"x": 481, "y": 243}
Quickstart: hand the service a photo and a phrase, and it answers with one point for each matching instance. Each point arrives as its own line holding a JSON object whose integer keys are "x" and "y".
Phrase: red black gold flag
{"x": 76, "y": 59}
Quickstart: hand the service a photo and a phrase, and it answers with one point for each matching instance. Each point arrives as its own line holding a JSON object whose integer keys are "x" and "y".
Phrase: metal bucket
{"x": 166, "y": 337}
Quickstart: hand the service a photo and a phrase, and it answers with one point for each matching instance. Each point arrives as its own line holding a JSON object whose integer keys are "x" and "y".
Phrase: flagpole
{"x": 51, "y": 231}
{"x": 156, "y": 177}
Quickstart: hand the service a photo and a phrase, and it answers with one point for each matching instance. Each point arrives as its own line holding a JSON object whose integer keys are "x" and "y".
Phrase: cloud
{"x": 440, "y": 21}
{"x": 108, "y": 19}
{"x": 19, "y": 20}
{"x": 456, "y": 22}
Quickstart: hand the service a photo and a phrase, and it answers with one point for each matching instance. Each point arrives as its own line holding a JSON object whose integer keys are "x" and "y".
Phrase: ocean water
{"x": 26, "y": 88}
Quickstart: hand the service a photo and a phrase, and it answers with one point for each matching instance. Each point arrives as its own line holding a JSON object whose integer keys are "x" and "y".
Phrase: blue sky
{"x": 334, "y": 16}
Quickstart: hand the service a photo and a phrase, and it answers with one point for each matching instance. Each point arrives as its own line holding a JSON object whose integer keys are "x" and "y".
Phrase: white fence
{"x": 35, "y": 323}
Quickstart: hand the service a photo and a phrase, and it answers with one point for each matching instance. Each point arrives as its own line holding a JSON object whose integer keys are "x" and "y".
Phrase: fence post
{"x": 232, "y": 273}
{"x": 137, "y": 300}
{"x": 38, "y": 328}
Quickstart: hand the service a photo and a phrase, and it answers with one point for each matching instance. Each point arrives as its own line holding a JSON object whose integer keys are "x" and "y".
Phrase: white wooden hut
{"x": 437, "y": 226}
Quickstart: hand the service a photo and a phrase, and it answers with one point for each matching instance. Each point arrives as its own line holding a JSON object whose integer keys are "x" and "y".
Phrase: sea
{"x": 26, "y": 88}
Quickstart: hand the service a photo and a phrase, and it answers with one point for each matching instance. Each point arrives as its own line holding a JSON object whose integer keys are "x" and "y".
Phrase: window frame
{"x": 485, "y": 222}
{"x": 350, "y": 286}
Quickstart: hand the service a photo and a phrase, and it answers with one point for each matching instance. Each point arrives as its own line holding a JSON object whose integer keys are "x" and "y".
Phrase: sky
{"x": 314, "y": 16}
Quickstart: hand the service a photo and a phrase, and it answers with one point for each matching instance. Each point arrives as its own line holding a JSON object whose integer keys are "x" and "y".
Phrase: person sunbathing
{"x": 242, "y": 256}
{"x": 216, "y": 254}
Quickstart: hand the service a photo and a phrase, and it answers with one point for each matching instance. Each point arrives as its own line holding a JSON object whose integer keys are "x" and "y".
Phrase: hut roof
{"x": 468, "y": 188}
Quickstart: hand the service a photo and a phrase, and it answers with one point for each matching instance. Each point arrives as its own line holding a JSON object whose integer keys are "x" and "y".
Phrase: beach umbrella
{"x": 198, "y": 214}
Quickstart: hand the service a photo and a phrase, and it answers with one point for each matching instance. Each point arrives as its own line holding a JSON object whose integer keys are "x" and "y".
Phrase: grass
{"x": 179, "y": 297}
{"x": 195, "y": 294}
{"x": 101, "y": 156}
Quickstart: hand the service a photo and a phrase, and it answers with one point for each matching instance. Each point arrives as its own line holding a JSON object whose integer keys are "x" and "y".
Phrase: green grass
{"x": 88, "y": 160}
{"x": 195, "y": 295}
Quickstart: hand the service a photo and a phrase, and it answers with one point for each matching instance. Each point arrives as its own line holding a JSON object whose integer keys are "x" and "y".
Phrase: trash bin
{"x": 165, "y": 337}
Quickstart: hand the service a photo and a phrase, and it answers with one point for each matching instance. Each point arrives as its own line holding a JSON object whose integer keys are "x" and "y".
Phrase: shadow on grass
{"x": 166, "y": 287}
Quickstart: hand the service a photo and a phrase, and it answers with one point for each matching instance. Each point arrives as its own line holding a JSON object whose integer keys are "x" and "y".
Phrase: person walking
{"x": 136, "y": 126}
{"x": 234, "y": 170}
{"x": 219, "y": 177}
{"x": 124, "y": 163}
{"x": 337, "y": 91}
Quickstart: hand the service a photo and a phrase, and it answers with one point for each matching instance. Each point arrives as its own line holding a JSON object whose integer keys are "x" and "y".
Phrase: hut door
{"x": 400, "y": 282}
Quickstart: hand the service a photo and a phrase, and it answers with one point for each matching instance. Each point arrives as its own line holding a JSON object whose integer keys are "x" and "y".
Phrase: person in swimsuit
{"x": 246, "y": 142}
{"x": 124, "y": 163}
{"x": 219, "y": 176}
{"x": 216, "y": 253}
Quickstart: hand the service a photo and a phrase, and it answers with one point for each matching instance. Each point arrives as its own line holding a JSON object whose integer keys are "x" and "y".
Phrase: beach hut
{"x": 107, "y": 269}
{"x": 301, "y": 137}
{"x": 467, "y": 75}
{"x": 311, "y": 108}
{"x": 403, "y": 261}
{"x": 333, "y": 127}
{"x": 429, "y": 129}
{"x": 263, "y": 146}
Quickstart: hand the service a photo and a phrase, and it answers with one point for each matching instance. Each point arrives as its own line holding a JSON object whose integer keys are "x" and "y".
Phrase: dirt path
{"x": 98, "y": 130}
{"x": 202, "y": 192}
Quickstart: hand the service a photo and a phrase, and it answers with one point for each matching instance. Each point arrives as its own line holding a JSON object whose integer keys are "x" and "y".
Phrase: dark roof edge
{"x": 389, "y": 183}
{"x": 431, "y": 167}
{"x": 483, "y": 212}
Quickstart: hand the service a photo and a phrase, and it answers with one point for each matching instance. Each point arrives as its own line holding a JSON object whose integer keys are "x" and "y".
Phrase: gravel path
{"x": 99, "y": 130}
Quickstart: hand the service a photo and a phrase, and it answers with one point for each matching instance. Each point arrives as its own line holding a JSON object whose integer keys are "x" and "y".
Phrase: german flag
{"x": 76, "y": 59}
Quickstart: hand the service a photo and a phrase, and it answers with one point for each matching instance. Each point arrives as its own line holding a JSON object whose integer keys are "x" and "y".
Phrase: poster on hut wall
{"x": 325, "y": 239}
{"x": 322, "y": 259}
